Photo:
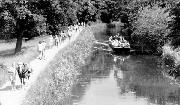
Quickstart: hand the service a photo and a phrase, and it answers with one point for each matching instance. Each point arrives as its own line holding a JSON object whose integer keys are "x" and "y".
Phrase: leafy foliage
{"x": 30, "y": 18}
{"x": 151, "y": 26}
{"x": 23, "y": 18}
{"x": 175, "y": 25}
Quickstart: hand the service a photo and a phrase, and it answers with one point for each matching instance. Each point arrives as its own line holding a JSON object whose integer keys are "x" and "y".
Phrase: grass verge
{"x": 7, "y": 57}
{"x": 54, "y": 84}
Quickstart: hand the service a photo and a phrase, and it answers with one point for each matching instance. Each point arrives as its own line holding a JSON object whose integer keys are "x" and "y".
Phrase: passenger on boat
{"x": 115, "y": 42}
{"x": 110, "y": 39}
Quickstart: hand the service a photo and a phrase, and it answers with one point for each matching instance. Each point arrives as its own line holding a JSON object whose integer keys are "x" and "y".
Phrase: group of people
{"x": 118, "y": 40}
{"x": 57, "y": 39}
{"x": 21, "y": 70}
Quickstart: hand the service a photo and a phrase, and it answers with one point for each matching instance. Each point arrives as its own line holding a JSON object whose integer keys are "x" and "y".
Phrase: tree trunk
{"x": 18, "y": 44}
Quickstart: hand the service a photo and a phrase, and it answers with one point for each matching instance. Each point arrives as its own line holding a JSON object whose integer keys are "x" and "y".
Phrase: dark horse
{"x": 24, "y": 73}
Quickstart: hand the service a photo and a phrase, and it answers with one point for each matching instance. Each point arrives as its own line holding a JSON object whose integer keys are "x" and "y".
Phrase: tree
{"x": 86, "y": 11}
{"x": 151, "y": 26}
{"x": 21, "y": 18}
{"x": 29, "y": 18}
{"x": 175, "y": 25}
{"x": 17, "y": 13}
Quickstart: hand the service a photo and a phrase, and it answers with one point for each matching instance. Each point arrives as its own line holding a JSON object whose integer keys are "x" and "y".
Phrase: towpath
{"x": 9, "y": 97}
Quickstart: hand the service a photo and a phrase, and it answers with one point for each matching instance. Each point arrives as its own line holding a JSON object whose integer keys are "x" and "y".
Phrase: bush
{"x": 174, "y": 25}
{"x": 169, "y": 61}
{"x": 151, "y": 27}
{"x": 177, "y": 68}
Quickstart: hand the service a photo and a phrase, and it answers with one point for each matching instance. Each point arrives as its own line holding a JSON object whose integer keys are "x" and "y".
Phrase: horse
{"x": 24, "y": 72}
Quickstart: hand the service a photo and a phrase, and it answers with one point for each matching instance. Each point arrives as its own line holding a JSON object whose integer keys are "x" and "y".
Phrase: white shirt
{"x": 51, "y": 41}
{"x": 40, "y": 47}
{"x": 44, "y": 45}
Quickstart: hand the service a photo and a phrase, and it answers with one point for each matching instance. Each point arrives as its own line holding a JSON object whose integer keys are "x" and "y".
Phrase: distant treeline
{"x": 30, "y": 18}
{"x": 147, "y": 22}
{"x": 151, "y": 23}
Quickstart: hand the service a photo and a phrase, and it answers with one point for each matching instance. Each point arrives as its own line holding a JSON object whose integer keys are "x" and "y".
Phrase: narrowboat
{"x": 119, "y": 45}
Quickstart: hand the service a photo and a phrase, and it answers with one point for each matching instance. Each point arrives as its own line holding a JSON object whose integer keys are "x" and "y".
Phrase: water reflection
{"x": 117, "y": 80}
{"x": 108, "y": 79}
{"x": 144, "y": 79}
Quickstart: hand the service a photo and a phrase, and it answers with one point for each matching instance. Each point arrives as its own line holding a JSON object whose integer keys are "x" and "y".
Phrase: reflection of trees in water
{"x": 97, "y": 65}
{"x": 143, "y": 67}
{"x": 79, "y": 88}
{"x": 121, "y": 82}
{"x": 157, "y": 94}
{"x": 119, "y": 73}
{"x": 143, "y": 77}
{"x": 119, "y": 60}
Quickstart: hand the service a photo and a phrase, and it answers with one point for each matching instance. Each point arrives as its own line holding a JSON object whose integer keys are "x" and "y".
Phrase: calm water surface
{"x": 107, "y": 79}
{"x": 126, "y": 81}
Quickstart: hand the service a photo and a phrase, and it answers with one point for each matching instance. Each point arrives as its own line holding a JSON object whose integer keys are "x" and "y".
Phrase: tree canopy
{"x": 30, "y": 18}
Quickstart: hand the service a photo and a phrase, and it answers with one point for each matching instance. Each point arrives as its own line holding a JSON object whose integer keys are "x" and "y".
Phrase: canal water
{"x": 107, "y": 79}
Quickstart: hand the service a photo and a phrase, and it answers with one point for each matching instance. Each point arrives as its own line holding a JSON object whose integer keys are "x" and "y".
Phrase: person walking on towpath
{"x": 69, "y": 33}
{"x": 12, "y": 72}
{"x": 56, "y": 40}
{"x": 60, "y": 37}
{"x": 51, "y": 41}
{"x": 40, "y": 50}
{"x": 27, "y": 70}
{"x": 63, "y": 35}
{"x": 20, "y": 73}
{"x": 44, "y": 48}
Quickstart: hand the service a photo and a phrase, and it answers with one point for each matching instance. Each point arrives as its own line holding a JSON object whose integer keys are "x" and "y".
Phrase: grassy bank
{"x": 28, "y": 53}
{"x": 56, "y": 81}
{"x": 7, "y": 57}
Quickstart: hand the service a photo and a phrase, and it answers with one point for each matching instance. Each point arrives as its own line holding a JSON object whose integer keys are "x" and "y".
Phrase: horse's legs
{"x": 28, "y": 77}
{"x": 41, "y": 55}
{"x": 21, "y": 82}
{"x": 13, "y": 85}
{"x": 11, "y": 79}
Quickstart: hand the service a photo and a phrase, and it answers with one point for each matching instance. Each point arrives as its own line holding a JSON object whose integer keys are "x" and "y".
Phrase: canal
{"x": 107, "y": 79}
